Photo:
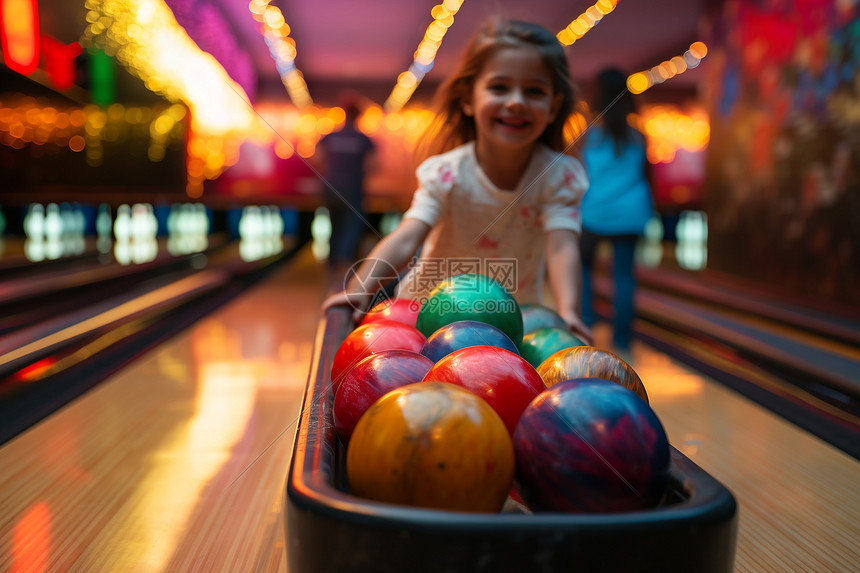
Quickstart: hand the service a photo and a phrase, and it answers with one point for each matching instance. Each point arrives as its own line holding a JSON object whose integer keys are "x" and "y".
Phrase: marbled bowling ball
{"x": 540, "y": 344}
{"x": 590, "y": 362}
{"x": 462, "y": 334}
{"x": 370, "y": 379}
{"x": 590, "y": 445}
{"x": 471, "y": 296}
{"x": 370, "y": 338}
{"x": 503, "y": 379}
{"x": 538, "y": 316}
{"x": 397, "y": 309}
{"x": 432, "y": 445}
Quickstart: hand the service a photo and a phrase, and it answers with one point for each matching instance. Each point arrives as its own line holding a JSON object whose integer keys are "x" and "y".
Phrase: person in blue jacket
{"x": 618, "y": 203}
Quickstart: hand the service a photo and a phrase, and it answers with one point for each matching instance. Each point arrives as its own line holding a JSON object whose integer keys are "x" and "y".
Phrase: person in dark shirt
{"x": 345, "y": 157}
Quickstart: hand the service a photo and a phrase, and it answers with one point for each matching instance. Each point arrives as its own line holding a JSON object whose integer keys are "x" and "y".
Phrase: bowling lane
{"x": 798, "y": 497}
{"x": 177, "y": 463}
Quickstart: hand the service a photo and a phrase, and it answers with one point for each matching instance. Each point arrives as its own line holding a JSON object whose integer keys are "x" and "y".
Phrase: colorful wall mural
{"x": 783, "y": 192}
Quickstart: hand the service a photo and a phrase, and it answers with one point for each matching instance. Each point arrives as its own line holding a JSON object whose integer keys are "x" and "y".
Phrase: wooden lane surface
{"x": 798, "y": 497}
{"x": 178, "y": 462}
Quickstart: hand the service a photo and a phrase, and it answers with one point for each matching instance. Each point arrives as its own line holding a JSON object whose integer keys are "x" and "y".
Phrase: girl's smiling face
{"x": 512, "y": 100}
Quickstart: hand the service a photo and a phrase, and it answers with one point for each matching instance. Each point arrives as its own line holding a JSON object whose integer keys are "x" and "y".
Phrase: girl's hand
{"x": 336, "y": 299}
{"x": 578, "y": 328}
{"x": 389, "y": 254}
{"x": 357, "y": 301}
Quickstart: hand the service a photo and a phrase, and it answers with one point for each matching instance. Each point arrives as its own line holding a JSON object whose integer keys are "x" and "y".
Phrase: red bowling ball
{"x": 369, "y": 339}
{"x": 398, "y": 309}
{"x": 506, "y": 381}
{"x": 369, "y": 380}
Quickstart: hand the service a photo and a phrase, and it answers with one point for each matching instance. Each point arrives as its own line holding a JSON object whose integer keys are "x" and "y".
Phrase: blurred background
{"x": 150, "y": 116}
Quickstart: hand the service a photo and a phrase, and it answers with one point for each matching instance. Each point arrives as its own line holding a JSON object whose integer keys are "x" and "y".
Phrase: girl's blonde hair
{"x": 451, "y": 127}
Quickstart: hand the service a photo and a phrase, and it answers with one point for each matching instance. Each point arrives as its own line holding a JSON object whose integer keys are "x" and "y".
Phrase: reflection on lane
{"x": 180, "y": 468}
{"x": 691, "y": 242}
{"x": 131, "y": 236}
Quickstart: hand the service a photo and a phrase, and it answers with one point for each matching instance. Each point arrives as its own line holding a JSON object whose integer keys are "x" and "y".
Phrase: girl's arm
{"x": 390, "y": 254}
{"x": 565, "y": 277}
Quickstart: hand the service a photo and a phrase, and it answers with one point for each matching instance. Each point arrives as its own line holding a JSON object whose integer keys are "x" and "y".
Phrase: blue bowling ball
{"x": 462, "y": 334}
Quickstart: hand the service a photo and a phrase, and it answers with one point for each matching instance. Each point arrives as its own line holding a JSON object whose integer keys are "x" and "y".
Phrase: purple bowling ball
{"x": 462, "y": 334}
{"x": 590, "y": 445}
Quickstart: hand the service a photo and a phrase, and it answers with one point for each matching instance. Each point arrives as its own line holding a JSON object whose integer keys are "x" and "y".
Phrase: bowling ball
{"x": 369, "y": 380}
{"x": 540, "y": 344}
{"x": 471, "y": 296}
{"x": 503, "y": 379}
{"x": 590, "y": 362}
{"x": 432, "y": 445}
{"x": 462, "y": 334}
{"x": 590, "y": 445}
{"x": 398, "y": 309}
{"x": 370, "y": 338}
{"x": 538, "y": 316}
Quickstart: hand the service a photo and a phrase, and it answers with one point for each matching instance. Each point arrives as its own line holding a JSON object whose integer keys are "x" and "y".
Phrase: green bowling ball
{"x": 538, "y": 316}
{"x": 540, "y": 344}
{"x": 471, "y": 296}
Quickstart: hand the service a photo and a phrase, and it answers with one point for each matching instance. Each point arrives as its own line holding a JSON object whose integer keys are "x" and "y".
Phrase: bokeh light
{"x": 641, "y": 81}
{"x": 668, "y": 129}
{"x": 425, "y": 54}
{"x": 145, "y": 38}
{"x": 585, "y": 22}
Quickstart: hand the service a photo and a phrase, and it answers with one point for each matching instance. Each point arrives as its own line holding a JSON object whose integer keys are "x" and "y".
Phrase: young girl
{"x": 498, "y": 186}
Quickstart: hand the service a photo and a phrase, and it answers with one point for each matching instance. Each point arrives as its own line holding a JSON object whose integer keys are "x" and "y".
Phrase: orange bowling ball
{"x": 432, "y": 445}
{"x": 590, "y": 362}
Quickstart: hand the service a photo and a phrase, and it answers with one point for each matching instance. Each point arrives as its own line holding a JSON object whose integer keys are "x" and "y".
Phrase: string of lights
{"x": 585, "y": 22}
{"x": 641, "y": 81}
{"x": 276, "y": 33}
{"x": 407, "y": 82}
